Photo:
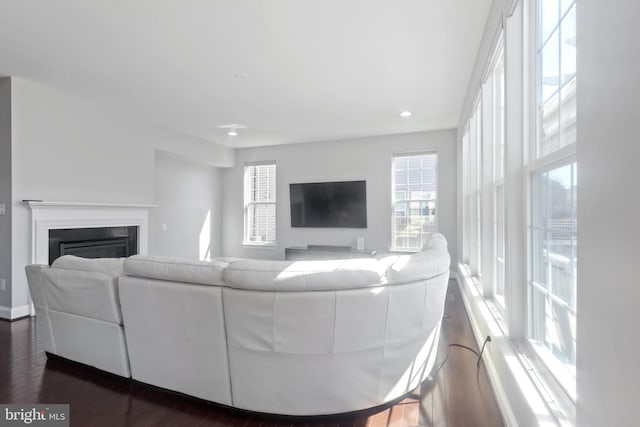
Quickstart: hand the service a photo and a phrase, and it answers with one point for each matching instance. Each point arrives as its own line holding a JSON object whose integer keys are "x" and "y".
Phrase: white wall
{"x": 608, "y": 344}
{"x": 361, "y": 159}
{"x": 67, "y": 149}
{"x": 188, "y": 195}
{"x": 5, "y": 190}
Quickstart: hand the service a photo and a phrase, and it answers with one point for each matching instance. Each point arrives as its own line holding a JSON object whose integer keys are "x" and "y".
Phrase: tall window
{"x": 498, "y": 133}
{"x": 476, "y": 167}
{"x": 415, "y": 188}
{"x": 474, "y": 188}
{"x": 260, "y": 204}
{"x": 483, "y": 155}
{"x": 466, "y": 208}
{"x": 553, "y": 171}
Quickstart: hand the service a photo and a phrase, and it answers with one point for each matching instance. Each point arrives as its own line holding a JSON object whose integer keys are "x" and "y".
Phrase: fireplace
{"x": 94, "y": 242}
{"x": 48, "y": 217}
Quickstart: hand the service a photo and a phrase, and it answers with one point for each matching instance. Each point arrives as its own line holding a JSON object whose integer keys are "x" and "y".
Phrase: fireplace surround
{"x": 47, "y": 217}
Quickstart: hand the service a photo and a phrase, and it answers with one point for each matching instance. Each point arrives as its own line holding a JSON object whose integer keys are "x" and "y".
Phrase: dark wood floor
{"x": 460, "y": 395}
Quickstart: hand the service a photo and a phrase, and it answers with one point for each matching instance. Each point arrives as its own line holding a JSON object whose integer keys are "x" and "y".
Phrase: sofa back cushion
{"x": 418, "y": 266}
{"x": 82, "y": 293}
{"x": 108, "y": 266}
{"x": 431, "y": 261}
{"x": 266, "y": 275}
{"x": 175, "y": 269}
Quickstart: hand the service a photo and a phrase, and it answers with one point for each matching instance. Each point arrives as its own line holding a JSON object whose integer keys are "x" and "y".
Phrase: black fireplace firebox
{"x": 100, "y": 242}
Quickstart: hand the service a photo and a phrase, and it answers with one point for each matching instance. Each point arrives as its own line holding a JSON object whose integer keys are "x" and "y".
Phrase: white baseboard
{"x": 494, "y": 378}
{"x": 11, "y": 313}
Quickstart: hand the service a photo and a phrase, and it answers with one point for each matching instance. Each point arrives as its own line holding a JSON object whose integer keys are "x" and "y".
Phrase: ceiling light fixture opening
{"x": 232, "y": 128}
{"x": 405, "y": 114}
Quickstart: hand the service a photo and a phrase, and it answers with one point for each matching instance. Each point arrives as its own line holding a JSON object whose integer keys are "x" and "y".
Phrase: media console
{"x": 325, "y": 252}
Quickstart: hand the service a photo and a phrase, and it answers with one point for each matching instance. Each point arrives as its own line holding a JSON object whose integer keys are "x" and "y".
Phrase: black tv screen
{"x": 329, "y": 204}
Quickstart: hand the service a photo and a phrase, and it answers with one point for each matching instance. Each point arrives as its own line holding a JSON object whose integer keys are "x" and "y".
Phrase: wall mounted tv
{"x": 329, "y": 204}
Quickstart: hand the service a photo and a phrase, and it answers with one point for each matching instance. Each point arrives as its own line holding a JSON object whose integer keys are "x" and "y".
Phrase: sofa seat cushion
{"x": 266, "y": 275}
{"x": 176, "y": 269}
{"x": 109, "y": 266}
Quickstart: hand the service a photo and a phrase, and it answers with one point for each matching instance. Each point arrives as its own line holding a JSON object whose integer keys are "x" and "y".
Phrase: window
{"x": 483, "y": 173}
{"x": 556, "y": 75}
{"x": 415, "y": 188}
{"x": 552, "y": 326}
{"x": 498, "y": 137}
{"x": 473, "y": 194}
{"x": 476, "y": 167}
{"x": 552, "y": 226}
{"x": 466, "y": 209}
{"x": 260, "y": 204}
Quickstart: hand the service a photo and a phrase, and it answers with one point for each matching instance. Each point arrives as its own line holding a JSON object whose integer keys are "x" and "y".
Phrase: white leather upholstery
{"x": 284, "y": 337}
{"x": 82, "y": 293}
{"x": 110, "y": 266}
{"x": 303, "y": 275}
{"x": 324, "y": 352}
{"x": 90, "y": 341}
{"x": 431, "y": 261}
{"x": 43, "y": 321}
{"x": 78, "y": 312}
{"x": 176, "y": 337}
{"x": 176, "y": 269}
{"x": 328, "y": 340}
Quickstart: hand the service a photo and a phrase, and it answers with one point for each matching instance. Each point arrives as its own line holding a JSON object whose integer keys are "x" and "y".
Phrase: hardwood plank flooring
{"x": 459, "y": 395}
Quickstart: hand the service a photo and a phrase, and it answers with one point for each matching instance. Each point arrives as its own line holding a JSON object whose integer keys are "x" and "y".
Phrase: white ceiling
{"x": 290, "y": 70}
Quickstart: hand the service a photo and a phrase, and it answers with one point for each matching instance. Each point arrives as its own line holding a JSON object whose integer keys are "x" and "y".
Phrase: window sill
{"x": 564, "y": 379}
{"x": 404, "y": 250}
{"x": 523, "y": 387}
{"x": 260, "y": 245}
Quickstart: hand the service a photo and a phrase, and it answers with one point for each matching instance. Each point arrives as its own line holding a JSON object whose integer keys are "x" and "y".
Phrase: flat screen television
{"x": 329, "y": 204}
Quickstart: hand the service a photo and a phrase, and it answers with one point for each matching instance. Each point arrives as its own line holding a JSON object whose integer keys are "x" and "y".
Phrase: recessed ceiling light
{"x": 405, "y": 114}
{"x": 232, "y": 126}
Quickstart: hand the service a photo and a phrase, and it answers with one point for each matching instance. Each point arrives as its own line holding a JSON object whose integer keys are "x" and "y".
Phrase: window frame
{"x": 498, "y": 123}
{"x": 557, "y": 371}
{"x": 248, "y": 202}
{"x": 536, "y": 162}
{"x": 394, "y": 209}
{"x": 473, "y": 197}
{"x": 564, "y": 91}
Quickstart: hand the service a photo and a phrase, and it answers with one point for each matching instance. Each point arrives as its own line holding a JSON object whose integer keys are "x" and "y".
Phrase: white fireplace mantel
{"x": 47, "y": 216}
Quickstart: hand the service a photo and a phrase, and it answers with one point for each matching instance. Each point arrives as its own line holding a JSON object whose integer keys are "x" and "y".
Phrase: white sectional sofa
{"x": 282, "y": 337}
